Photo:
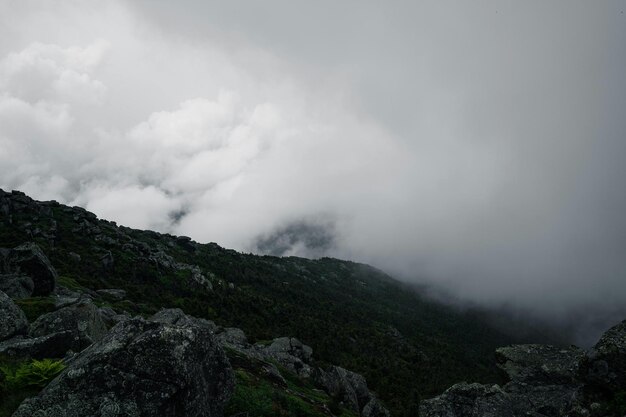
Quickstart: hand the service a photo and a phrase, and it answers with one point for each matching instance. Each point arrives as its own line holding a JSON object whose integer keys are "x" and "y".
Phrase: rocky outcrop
{"x": 17, "y": 286}
{"x": 12, "y": 319}
{"x": 28, "y": 260}
{"x": 82, "y": 319}
{"x": 544, "y": 381}
{"x": 540, "y": 364}
{"x": 605, "y": 366}
{"x": 351, "y": 390}
{"x": 53, "y": 345}
{"x": 141, "y": 368}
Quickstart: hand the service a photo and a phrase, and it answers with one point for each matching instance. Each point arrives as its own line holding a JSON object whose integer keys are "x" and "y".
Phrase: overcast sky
{"x": 479, "y": 145}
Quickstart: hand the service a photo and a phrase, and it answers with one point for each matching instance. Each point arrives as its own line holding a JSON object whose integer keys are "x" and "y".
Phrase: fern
{"x": 36, "y": 373}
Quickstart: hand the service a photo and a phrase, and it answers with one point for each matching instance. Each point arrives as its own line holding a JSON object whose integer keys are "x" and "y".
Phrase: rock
{"x": 291, "y": 346}
{"x": 53, "y": 345}
{"x": 28, "y": 259}
{"x": 110, "y": 317}
{"x": 16, "y": 286}
{"x": 115, "y": 294}
{"x": 74, "y": 257}
{"x": 12, "y": 319}
{"x": 141, "y": 368}
{"x": 290, "y": 353}
{"x": 374, "y": 408}
{"x": 233, "y": 337}
{"x": 82, "y": 319}
{"x": 540, "y": 364}
{"x": 541, "y": 399}
{"x": 348, "y": 387}
{"x": 469, "y": 400}
{"x": 605, "y": 365}
{"x": 178, "y": 317}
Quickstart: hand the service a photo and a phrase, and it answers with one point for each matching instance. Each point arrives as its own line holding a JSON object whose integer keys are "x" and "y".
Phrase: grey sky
{"x": 476, "y": 145}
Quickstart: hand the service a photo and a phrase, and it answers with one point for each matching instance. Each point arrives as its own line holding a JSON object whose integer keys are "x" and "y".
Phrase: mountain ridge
{"x": 352, "y": 315}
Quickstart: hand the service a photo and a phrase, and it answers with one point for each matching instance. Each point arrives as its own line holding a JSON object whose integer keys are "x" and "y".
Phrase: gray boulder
{"x": 16, "y": 286}
{"x": 469, "y": 400}
{"x": 53, "y": 345}
{"x": 348, "y": 387}
{"x": 28, "y": 259}
{"x": 82, "y": 319}
{"x": 12, "y": 319}
{"x": 605, "y": 365}
{"x": 111, "y": 317}
{"x": 141, "y": 368}
{"x": 290, "y": 353}
{"x": 540, "y": 364}
{"x": 234, "y": 338}
{"x": 177, "y": 317}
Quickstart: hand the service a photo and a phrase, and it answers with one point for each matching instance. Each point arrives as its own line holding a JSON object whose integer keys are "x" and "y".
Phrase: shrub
{"x": 35, "y": 374}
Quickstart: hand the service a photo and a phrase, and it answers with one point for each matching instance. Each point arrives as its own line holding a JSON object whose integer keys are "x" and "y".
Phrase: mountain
{"x": 302, "y": 336}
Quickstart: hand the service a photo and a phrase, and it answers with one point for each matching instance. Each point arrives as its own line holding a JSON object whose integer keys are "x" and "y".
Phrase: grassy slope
{"x": 347, "y": 312}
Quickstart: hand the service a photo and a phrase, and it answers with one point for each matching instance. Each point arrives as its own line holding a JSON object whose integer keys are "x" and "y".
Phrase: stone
{"x": 605, "y": 365}
{"x": 469, "y": 400}
{"x": 12, "y": 319}
{"x": 348, "y": 387}
{"x": 543, "y": 364}
{"x": 82, "y": 319}
{"x": 17, "y": 286}
{"x": 110, "y": 317}
{"x": 53, "y": 345}
{"x": 141, "y": 368}
{"x": 28, "y": 259}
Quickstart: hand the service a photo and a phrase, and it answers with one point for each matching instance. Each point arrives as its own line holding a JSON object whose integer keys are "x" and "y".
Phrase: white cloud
{"x": 487, "y": 160}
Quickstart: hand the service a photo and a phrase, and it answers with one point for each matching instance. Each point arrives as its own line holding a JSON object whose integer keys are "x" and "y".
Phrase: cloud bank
{"x": 476, "y": 148}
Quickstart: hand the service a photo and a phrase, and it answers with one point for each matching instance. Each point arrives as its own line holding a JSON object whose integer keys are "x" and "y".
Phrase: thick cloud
{"x": 477, "y": 148}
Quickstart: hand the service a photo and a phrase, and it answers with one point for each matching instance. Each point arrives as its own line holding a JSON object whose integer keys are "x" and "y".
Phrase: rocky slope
{"x": 98, "y": 319}
{"x": 545, "y": 380}
{"x": 169, "y": 364}
{"x": 352, "y": 315}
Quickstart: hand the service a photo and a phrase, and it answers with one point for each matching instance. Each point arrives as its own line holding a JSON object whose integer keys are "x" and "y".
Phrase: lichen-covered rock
{"x": 605, "y": 365}
{"x": 141, "y": 368}
{"x": 469, "y": 400}
{"x": 54, "y": 345}
{"x": 12, "y": 319}
{"x": 348, "y": 387}
{"x": 111, "y": 317}
{"x": 178, "y": 317}
{"x": 541, "y": 399}
{"x": 374, "y": 408}
{"x": 16, "y": 286}
{"x": 233, "y": 337}
{"x": 28, "y": 259}
{"x": 83, "y": 319}
{"x": 542, "y": 364}
{"x": 290, "y": 353}
{"x": 291, "y": 346}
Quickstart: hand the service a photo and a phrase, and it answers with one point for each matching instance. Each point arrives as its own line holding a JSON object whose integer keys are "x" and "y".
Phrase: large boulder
{"x": 12, "y": 319}
{"x": 17, "y": 286}
{"x": 605, "y": 365}
{"x": 346, "y": 386}
{"x": 82, "y": 319}
{"x": 290, "y": 353}
{"x": 540, "y": 364}
{"x": 54, "y": 345}
{"x": 28, "y": 259}
{"x": 141, "y": 368}
{"x": 469, "y": 400}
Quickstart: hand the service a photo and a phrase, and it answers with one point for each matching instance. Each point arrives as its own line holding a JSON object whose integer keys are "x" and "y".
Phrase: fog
{"x": 477, "y": 148}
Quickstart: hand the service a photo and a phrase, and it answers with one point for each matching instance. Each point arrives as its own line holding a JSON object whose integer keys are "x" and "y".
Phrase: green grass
{"x": 36, "y": 306}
